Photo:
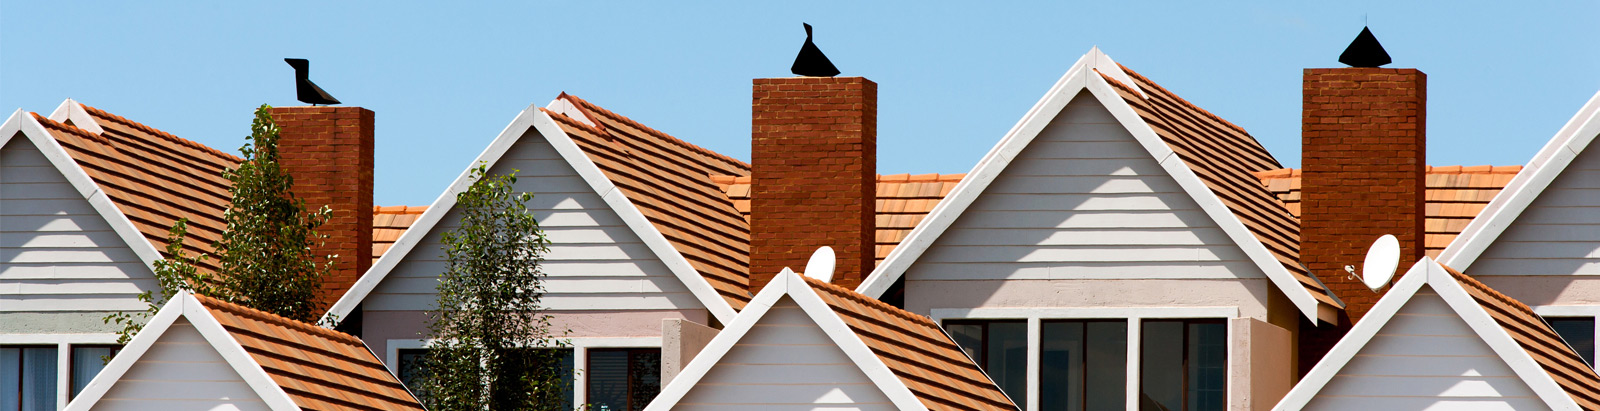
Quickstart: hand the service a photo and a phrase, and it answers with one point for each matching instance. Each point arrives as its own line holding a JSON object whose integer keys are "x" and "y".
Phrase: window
{"x": 410, "y": 368}
{"x": 1183, "y": 365}
{"x": 87, "y": 361}
{"x": 28, "y": 378}
{"x": 1578, "y": 332}
{"x": 623, "y": 379}
{"x": 1000, "y": 348}
{"x": 1083, "y": 365}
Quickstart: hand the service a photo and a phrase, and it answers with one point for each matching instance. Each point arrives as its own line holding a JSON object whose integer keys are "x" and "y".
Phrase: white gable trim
{"x": 40, "y": 137}
{"x": 1534, "y": 178}
{"x": 533, "y": 118}
{"x": 73, "y": 111}
{"x": 186, "y": 306}
{"x": 793, "y": 285}
{"x": 1082, "y": 76}
{"x": 1430, "y": 273}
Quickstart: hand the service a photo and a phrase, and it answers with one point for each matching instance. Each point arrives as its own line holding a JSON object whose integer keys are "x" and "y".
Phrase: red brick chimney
{"x": 814, "y": 175}
{"x": 1363, "y": 145}
{"x": 329, "y": 151}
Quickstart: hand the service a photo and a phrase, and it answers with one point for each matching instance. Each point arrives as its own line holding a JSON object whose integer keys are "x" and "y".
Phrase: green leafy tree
{"x": 491, "y": 336}
{"x": 174, "y": 273}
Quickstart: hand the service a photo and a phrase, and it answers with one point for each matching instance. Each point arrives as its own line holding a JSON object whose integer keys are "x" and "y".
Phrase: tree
{"x": 491, "y": 336}
{"x": 174, "y": 273}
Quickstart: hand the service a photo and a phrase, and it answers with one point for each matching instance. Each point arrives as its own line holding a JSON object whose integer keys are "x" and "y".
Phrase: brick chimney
{"x": 1363, "y": 145}
{"x": 814, "y": 143}
{"x": 329, "y": 151}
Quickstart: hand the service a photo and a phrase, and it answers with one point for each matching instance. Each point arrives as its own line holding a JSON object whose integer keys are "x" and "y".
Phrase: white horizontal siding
{"x": 1083, "y": 200}
{"x": 1426, "y": 358}
{"x": 595, "y": 261}
{"x": 786, "y": 362}
{"x": 181, "y": 371}
{"x": 56, "y": 252}
{"x": 1558, "y": 234}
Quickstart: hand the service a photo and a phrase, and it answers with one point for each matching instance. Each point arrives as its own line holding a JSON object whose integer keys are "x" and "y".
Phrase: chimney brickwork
{"x": 814, "y": 175}
{"x": 329, "y": 151}
{"x": 1364, "y": 173}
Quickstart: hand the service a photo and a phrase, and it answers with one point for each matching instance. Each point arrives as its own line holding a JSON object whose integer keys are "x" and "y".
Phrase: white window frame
{"x": 63, "y": 343}
{"x": 1570, "y": 311}
{"x": 580, "y": 356}
{"x": 1036, "y": 317}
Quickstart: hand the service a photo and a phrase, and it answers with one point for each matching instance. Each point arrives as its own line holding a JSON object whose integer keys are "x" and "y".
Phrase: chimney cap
{"x": 1365, "y": 51}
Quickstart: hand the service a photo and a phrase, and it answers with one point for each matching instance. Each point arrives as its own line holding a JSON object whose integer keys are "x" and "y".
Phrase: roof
{"x": 1528, "y": 345}
{"x": 388, "y": 223}
{"x": 1455, "y": 195}
{"x": 669, "y": 180}
{"x": 907, "y": 356}
{"x": 290, "y": 365}
{"x": 903, "y": 201}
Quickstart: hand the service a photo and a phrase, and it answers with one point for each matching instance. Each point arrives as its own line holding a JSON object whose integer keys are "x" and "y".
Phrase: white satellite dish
{"x": 1382, "y": 259}
{"x": 821, "y": 264}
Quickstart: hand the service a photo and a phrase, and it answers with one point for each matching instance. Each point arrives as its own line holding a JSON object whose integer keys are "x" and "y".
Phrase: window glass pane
{"x": 644, "y": 368}
{"x": 969, "y": 337}
{"x": 1578, "y": 332}
{"x": 410, "y": 367}
{"x": 1208, "y": 365}
{"x": 87, "y": 361}
{"x": 1161, "y": 365}
{"x": 10, "y": 378}
{"x": 38, "y": 375}
{"x": 1061, "y": 368}
{"x": 410, "y": 370}
{"x": 623, "y": 379}
{"x": 1106, "y": 365}
{"x": 1006, "y": 355}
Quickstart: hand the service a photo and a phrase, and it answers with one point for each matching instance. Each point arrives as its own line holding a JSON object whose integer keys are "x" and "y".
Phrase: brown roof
{"x": 1225, "y": 157}
{"x": 388, "y": 223}
{"x": 320, "y": 369}
{"x": 153, "y": 177}
{"x": 669, "y": 180}
{"x": 1455, "y": 195}
{"x": 916, "y": 350}
{"x": 1539, "y": 340}
{"x": 903, "y": 201}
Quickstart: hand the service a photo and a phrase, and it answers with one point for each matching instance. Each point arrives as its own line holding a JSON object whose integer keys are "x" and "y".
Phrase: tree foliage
{"x": 491, "y": 334}
{"x": 174, "y": 273}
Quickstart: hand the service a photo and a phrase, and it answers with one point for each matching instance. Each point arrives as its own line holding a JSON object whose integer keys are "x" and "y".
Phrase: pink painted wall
{"x": 381, "y": 326}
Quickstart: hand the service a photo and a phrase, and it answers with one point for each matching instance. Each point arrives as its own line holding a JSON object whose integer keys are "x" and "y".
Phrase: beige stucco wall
{"x": 681, "y": 340}
{"x": 378, "y": 327}
{"x": 1249, "y": 295}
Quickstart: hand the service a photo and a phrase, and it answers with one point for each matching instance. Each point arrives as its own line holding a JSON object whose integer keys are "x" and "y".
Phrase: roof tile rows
{"x": 1539, "y": 340}
{"x": 320, "y": 369}
{"x": 903, "y": 201}
{"x": 388, "y": 223}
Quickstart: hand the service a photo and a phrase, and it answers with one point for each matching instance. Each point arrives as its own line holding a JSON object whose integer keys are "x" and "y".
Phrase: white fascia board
{"x": 73, "y": 111}
{"x": 241, "y": 361}
{"x": 1492, "y": 333}
{"x": 130, "y": 354}
{"x": 719, "y": 346}
{"x": 565, "y": 107}
{"x": 85, "y": 186}
{"x": 847, "y": 339}
{"x": 1529, "y": 183}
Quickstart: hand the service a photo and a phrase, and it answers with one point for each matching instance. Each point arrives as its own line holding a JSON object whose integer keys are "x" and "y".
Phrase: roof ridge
{"x": 870, "y": 302}
{"x": 152, "y": 130}
{"x": 658, "y": 133}
{"x": 1179, "y": 99}
{"x": 46, "y": 121}
{"x": 218, "y": 304}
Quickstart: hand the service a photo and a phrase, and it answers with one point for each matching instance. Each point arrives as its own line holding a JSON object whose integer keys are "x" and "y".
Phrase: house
{"x": 1440, "y": 339}
{"x": 202, "y": 353}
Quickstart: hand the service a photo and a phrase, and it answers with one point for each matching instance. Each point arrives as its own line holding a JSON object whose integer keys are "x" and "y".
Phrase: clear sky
{"x": 446, "y": 77}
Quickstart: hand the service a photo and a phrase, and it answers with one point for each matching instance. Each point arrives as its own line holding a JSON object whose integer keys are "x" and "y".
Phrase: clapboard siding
{"x": 595, "y": 261}
{"x": 56, "y": 252}
{"x": 1426, "y": 357}
{"x": 1083, "y": 200}
{"x": 181, "y": 371}
{"x": 786, "y": 362}
{"x": 1558, "y": 234}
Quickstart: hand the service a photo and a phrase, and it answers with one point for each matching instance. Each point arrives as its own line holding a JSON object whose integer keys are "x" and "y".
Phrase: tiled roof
{"x": 153, "y": 177}
{"x": 903, "y": 201}
{"x": 1225, "y": 157}
{"x": 670, "y": 182}
{"x": 916, "y": 350}
{"x": 1455, "y": 195}
{"x": 1539, "y": 340}
{"x": 388, "y": 223}
{"x": 320, "y": 369}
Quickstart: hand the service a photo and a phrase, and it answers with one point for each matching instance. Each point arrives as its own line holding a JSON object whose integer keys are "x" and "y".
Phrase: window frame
{"x": 580, "y": 356}
{"x": 1135, "y": 316}
{"x": 63, "y": 344}
{"x": 630, "y": 352}
{"x": 72, "y": 374}
{"x": 1574, "y": 311}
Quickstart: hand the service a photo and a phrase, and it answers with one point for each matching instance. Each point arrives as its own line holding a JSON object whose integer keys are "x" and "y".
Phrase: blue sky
{"x": 953, "y": 77}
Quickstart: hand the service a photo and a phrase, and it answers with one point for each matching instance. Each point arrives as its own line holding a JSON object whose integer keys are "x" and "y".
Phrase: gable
{"x": 1083, "y": 200}
{"x": 785, "y": 348}
{"x": 1558, "y": 233}
{"x": 57, "y": 253}
{"x": 1426, "y": 357}
{"x": 595, "y": 261}
{"x": 181, "y": 371}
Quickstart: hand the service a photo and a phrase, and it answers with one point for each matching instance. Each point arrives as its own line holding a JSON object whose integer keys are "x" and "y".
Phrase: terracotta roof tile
{"x": 1225, "y": 157}
{"x": 917, "y": 351}
{"x": 1539, "y": 340}
{"x": 903, "y": 201}
{"x": 671, "y": 182}
{"x": 1455, "y": 195}
{"x": 320, "y": 369}
{"x": 388, "y": 223}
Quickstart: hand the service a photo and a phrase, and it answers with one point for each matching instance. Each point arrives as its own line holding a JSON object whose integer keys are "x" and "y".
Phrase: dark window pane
{"x": 1161, "y": 365}
{"x": 970, "y": 337}
{"x": 1106, "y": 366}
{"x": 644, "y": 370}
{"x": 623, "y": 379}
{"x": 10, "y": 378}
{"x": 1578, "y": 332}
{"x": 410, "y": 368}
{"x": 29, "y": 380}
{"x": 87, "y": 361}
{"x": 1061, "y": 368}
{"x": 411, "y": 363}
{"x": 1183, "y": 365}
{"x": 1208, "y": 366}
{"x": 1007, "y": 357}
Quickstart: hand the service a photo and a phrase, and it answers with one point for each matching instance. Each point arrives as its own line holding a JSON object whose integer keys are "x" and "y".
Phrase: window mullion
{"x": 1134, "y": 343}
{"x": 1034, "y": 345}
